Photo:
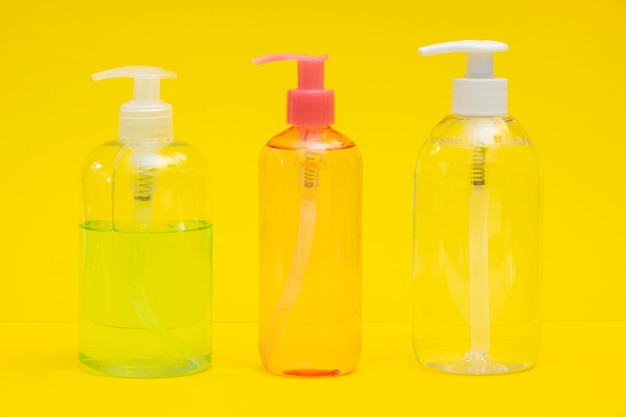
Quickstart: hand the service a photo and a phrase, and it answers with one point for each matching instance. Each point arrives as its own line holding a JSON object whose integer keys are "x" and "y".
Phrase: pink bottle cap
{"x": 310, "y": 104}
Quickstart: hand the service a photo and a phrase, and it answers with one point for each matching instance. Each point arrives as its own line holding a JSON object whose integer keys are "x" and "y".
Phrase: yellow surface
{"x": 581, "y": 372}
{"x": 566, "y": 69}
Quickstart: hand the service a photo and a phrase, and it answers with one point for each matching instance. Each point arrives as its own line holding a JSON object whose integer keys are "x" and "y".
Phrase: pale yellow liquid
{"x": 321, "y": 334}
{"x": 441, "y": 277}
{"x": 145, "y": 297}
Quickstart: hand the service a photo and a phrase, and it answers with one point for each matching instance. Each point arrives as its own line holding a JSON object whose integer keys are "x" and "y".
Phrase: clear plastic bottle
{"x": 146, "y": 233}
{"x": 310, "y": 238}
{"x": 477, "y": 237}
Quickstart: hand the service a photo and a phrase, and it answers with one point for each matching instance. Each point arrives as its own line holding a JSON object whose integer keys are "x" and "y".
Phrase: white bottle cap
{"x": 480, "y": 93}
{"x": 145, "y": 116}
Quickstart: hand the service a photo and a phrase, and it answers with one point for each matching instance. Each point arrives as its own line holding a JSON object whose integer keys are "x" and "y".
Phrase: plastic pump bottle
{"x": 310, "y": 236}
{"x": 145, "y": 275}
{"x": 477, "y": 237}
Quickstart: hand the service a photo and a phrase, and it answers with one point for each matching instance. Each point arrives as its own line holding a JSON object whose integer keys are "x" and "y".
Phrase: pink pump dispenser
{"x": 309, "y": 236}
{"x": 310, "y": 104}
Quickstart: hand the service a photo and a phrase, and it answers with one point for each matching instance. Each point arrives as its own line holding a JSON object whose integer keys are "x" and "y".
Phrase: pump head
{"x": 310, "y": 104}
{"x": 480, "y": 93}
{"x": 145, "y": 116}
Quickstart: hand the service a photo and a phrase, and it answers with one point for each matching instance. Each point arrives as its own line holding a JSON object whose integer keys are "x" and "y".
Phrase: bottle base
{"x": 312, "y": 373}
{"x": 456, "y": 356}
{"x": 143, "y": 366}
{"x": 478, "y": 363}
{"x": 311, "y": 365}
{"x": 302, "y": 369}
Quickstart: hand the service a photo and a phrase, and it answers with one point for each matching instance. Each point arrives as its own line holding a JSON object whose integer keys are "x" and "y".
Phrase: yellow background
{"x": 566, "y": 69}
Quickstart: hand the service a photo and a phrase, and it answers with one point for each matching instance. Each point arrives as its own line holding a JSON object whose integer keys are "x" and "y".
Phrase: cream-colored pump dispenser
{"x": 147, "y": 123}
{"x": 146, "y": 116}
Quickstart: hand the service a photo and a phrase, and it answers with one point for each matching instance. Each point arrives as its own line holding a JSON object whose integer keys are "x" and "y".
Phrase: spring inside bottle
{"x": 310, "y": 172}
{"x": 479, "y": 157}
{"x": 144, "y": 183}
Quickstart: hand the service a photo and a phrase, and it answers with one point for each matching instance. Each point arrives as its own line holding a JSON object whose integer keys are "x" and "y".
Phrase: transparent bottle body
{"x": 477, "y": 247}
{"x": 145, "y": 260}
{"x": 310, "y": 253}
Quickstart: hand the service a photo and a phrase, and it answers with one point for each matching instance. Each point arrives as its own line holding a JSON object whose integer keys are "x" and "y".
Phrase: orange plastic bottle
{"x": 310, "y": 237}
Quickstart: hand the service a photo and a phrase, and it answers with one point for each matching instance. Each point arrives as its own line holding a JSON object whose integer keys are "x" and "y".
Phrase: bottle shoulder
{"x": 457, "y": 130}
{"x": 311, "y": 138}
{"x": 171, "y": 154}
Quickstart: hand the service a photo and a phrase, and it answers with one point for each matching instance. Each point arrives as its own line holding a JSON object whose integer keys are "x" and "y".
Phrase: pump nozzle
{"x": 480, "y": 93}
{"x": 310, "y": 104}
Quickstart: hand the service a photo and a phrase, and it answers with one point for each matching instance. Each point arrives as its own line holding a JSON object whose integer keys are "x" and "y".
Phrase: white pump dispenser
{"x": 480, "y": 93}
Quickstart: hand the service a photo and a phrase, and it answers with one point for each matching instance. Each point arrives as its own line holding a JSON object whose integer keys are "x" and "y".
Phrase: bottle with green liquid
{"x": 145, "y": 244}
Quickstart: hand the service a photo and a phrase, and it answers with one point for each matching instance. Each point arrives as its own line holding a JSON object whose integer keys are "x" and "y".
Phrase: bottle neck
{"x": 148, "y": 122}
{"x": 479, "y": 96}
{"x": 310, "y": 107}
{"x": 317, "y": 127}
{"x": 148, "y": 142}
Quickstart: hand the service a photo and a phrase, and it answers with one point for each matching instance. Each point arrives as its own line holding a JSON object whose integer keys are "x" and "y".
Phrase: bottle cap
{"x": 310, "y": 104}
{"x": 480, "y": 93}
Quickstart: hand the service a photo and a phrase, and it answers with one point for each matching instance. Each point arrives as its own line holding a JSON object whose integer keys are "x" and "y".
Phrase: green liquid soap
{"x": 145, "y": 295}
